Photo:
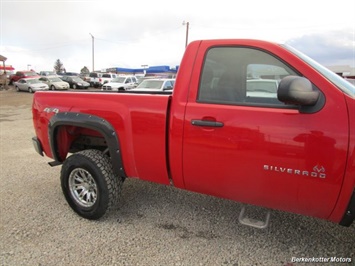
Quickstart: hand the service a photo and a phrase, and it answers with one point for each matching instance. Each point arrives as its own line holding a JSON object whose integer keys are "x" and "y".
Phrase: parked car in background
{"x": 76, "y": 82}
{"x": 22, "y": 74}
{"x": 55, "y": 83}
{"x": 47, "y": 73}
{"x": 264, "y": 88}
{"x": 71, "y": 74}
{"x": 30, "y": 85}
{"x": 141, "y": 79}
{"x": 122, "y": 83}
{"x": 95, "y": 79}
{"x": 107, "y": 77}
{"x": 155, "y": 85}
{"x": 85, "y": 77}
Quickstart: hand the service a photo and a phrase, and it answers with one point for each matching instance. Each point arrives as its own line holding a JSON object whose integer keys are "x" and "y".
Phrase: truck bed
{"x": 139, "y": 121}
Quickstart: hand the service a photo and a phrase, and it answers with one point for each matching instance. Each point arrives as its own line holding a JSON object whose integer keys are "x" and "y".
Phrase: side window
{"x": 241, "y": 76}
{"x": 128, "y": 80}
{"x": 168, "y": 86}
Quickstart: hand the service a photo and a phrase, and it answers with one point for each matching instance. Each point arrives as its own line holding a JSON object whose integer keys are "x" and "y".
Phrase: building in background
{"x": 161, "y": 71}
{"x": 343, "y": 71}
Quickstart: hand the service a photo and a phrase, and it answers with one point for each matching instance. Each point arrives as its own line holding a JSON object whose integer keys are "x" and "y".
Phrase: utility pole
{"x": 187, "y": 31}
{"x": 93, "y": 53}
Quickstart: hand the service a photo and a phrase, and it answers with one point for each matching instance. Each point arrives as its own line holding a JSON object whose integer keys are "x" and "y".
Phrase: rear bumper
{"x": 37, "y": 145}
{"x": 95, "y": 84}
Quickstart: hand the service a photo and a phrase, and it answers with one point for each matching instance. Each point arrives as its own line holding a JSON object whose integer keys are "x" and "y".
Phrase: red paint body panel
{"x": 231, "y": 159}
{"x": 349, "y": 177}
{"x": 273, "y": 157}
{"x": 139, "y": 121}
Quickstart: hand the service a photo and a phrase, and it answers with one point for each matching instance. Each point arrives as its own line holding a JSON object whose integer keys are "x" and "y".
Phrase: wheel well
{"x": 86, "y": 139}
{"x": 72, "y": 139}
{"x": 70, "y": 132}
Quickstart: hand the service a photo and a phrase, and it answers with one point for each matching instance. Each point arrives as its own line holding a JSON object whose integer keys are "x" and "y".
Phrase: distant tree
{"x": 84, "y": 70}
{"x": 58, "y": 66}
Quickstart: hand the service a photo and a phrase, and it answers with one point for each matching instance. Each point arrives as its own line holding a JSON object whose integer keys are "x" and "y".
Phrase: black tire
{"x": 75, "y": 86}
{"x": 52, "y": 88}
{"x": 17, "y": 89}
{"x": 89, "y": 185}
{"x": 30, "y": 90}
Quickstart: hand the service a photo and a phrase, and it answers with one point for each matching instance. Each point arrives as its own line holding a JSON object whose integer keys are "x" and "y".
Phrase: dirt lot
{"x": 153, "y": 225}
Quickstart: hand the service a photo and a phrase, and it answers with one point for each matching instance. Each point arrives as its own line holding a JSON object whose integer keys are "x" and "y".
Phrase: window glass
{"x": 168, "y": 85}
{"x": 242, "y": 76}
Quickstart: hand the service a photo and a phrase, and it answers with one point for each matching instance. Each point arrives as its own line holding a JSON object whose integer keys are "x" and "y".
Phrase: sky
{"x": 34, "y": 34}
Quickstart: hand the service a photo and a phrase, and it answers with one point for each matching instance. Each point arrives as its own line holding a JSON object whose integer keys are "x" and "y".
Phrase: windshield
{"x": 33, "y": 81}
{"x": 77, "y": 79}
{"x": 55, "y": 79}
{"x": 151, "y": 84}
{"x": 48, "y": 73}
{"x": 119, "y": 80}
{"x": 29, "y": 74}
{"x": 340, "y": 82}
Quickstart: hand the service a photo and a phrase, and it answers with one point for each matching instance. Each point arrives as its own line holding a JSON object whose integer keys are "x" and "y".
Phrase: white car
{"x": 30, "y": 85}
{"x": 107, "y": 77}
{"x": 155, "y": 85}
{"x": 122, "y": 83}
{"x": 263, "y": 88}
{"x": 55, "y": 83}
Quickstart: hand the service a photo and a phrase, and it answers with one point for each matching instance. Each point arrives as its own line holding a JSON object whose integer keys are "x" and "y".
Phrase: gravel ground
{"x": 153, "y": 224}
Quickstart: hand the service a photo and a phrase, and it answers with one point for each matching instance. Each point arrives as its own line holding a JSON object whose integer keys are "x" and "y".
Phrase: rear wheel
{"x": 75, "y": 87}
{"x": 52, "y": 88}
{"x": 88, "y": 183}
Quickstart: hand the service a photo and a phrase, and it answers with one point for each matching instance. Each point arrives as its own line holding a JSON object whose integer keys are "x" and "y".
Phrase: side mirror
{"x": 298, "y": 91}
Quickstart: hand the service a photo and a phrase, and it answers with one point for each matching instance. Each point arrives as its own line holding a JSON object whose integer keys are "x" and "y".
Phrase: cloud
{"x": 151, "y": 32}
{"x": 331, "y": 48}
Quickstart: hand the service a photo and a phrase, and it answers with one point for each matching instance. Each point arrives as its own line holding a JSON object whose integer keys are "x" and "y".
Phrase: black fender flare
{"x": 92, "y": 122}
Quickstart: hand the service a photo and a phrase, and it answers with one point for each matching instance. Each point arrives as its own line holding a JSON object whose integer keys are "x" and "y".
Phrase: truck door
{"x": 241, "y": 143}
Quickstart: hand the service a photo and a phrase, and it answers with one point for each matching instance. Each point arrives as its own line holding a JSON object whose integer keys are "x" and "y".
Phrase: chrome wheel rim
{"x": 83, "y": 187}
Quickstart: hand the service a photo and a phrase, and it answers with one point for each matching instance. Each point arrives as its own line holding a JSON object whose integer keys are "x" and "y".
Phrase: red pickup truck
{"x": 22, "y": 74}
{"x": 251, "y": 121}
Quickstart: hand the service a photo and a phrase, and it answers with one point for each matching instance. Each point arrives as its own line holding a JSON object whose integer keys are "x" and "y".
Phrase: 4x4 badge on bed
{"x": 51, "y": 110}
